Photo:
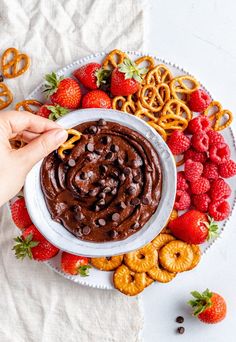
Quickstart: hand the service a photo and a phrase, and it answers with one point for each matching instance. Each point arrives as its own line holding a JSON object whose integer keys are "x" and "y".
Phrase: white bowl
{"x": 62, "y": 238}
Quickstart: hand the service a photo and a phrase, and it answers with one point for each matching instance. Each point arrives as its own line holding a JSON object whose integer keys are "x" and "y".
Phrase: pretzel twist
{"x": 11, "y": 68}
{"x": 113, "y": 59}
{"x": 221, "y": 118}
{"x": 148, "y": 61}
{"x": 159, "y": 74}
{"x": 69, "y": 144}
{"x": 26, "y": 105}
{"x": 6, "y": 96}
{"x": 154, "y": 97}
{"x": 182, "y": 86}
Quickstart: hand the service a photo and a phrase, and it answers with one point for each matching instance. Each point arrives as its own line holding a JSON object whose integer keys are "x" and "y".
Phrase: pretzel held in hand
{"x": 69, "y": 144}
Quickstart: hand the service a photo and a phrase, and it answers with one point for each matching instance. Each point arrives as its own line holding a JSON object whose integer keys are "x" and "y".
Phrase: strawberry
{"x": 34, "y": 245}
{"x": 199, "y": 100}
{"x": 199, "y": 124}
{"x": 96, "y": 99}
{"x": 200, "y": 186}
{"x": 193, "y": 227}
{"x": 219, "y": 210}
{"x": 209, "y": 307}
{"x": 196, "y": 156}
{"x": 215, "y": 137}
{"x": 220, "y": 190}
{"x": 210, "y": 170}
{"x": 126, "y": 78}
{"x": 75, "y": 264}
{"x": 200, "y": 142}
{"x": 201, "y": 202}
{"x": 20, "y": 214}
{"x": 181, "y": 181}
{"x": 52, "y": 112}
{"x": 182, "y": 200}
{"x": 92, "y": 75}
{"x": 192, "y": 170}
{"x": 65, "y": 92}
{"x": 178, "y": 142}
{"x": 219, "y": 153}
{"x": 227, "y": 169}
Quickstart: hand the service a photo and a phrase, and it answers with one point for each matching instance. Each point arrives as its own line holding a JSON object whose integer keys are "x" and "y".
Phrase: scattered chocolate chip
{"x": 135, "y": 201}
{"x": 103, "y": 168}
{"x": 101, "y": 202}
{"x": 137, "y": 178}
{"x": 96, "y": 208}
{"x": 93, "y": 192}
{"x": 127, "y": 171}
{"x": 83, "y": 175}
{"x": 101, "y": 122}
{"x": 114, "y": 174}
{"x": 107, "y": 189}
{"x": 181, "y": 330}
{"x": 90, "y": 147}
{"x": 106, "y": 140}
{"x": 109, "y": 155}
{"x": 122, "y": 205}
{"x": 145, "y": 200}
{"x": 102, "y": 182}
{"x": 79, "y": 216}
{"x": 93, "y": 129}
{"x": 179, "y": 319}
{"x": 113, "y": 233}
{"x": 122, "y": 177}
{"x": 71, "y": 162}
{"x": 1, "y": 78}
{"x": 101, "y": 222}
{"x": 86, "y": 230}
{"x": 114, "y": 148}
{"x": 115, "y": 217}
{"x": 114, "y": 191}
{"x": 101, "y": 195}
{"x": 135, "y": 225}
{"x": 131, "y": 190}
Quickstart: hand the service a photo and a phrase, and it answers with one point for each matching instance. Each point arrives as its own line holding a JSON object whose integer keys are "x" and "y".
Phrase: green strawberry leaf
{"x": 84, "y": 270}
{"x": 201, "y": 301}
{"x": 131, "y": 70}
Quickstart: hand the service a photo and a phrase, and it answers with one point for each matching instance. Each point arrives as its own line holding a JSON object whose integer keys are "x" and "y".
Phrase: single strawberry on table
{"x": 209, "y": 307}
{"x": 92, "y": 75}
{"x": 20, "y": 214}
{"x": 34, "y": 245}
{"x": 65, "y": 92}
{"x": 193, "y": 227}
{"x": 75, "y": 264}
{"x": 96, "y": 99}
{"x": 52, "y": 112}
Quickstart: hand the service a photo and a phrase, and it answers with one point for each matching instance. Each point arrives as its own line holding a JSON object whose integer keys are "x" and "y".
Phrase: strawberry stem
{"x": 23, "y": 246}
{"x": 201, "y": 301}
{"x": 102, "y": 76}
{"x": 131, "y": 70}
{"x": 57, "y": 112}
{"x": 84, "y": 270}
{"x": 52, "y": 83}
{"x": 212, "y": 229}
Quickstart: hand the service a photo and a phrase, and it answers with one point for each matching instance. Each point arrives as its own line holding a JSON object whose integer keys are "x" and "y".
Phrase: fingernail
{"x": 61, "y": 136}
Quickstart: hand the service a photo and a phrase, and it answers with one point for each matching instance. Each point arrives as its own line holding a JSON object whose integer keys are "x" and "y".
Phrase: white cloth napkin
{"x": 36, "y": 304}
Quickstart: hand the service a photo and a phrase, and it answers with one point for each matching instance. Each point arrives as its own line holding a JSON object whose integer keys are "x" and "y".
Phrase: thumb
{"x": 40, "y": 147}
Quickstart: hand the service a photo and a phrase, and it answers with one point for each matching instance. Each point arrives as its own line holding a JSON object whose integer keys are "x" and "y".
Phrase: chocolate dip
{"x": 107, "y": 187}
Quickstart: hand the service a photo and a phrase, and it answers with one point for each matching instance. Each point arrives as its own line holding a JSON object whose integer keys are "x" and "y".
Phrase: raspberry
{"x": 219, "y": 153}
{"x": 201, "y": 202}
{"x": 227, "y": 169}
{"x": 181, "y": 181}
{"x": 199, "y": 124}
{"x": 200, "y": 186}
{"x": 182, "y": 200}
{"x": 219, "y": 190}
{"x": 192, "y": 170}
{"x": 215, "y": 137}
{"x": 196, "y": 156}
{"x": 200, "y": 142}
{"x": 210, "y": 171}
{"x": 178, "y": 142}
{"x": 219, "y": 210}
{"x": 199, "y": 100}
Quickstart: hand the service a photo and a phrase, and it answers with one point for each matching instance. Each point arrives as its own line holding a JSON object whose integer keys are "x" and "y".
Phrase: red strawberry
{"x": 215, "y": 137}
{"x": 199, "y": 100}
{"x": 126, "y": 78}
{"x": 75, "y": 264}
{"x": 178, "y": 142}
{"x": 34, "y": 245}
{"x": 227, "y": 169}
{"x": 200, "y": 142}
{"x": 193, "y": 227}
{"x": 196, "y": 156}
{"x": 219, "y": 210}
{"x": 200, "y": 186}
{"x": 201, "y": 202}
{"x": 220, "y": 190}
{"x": 210, "y": 171}
{"x": 20, "y": 214}
{"x": 65, "y": 92}
{"x": 92, "y": 75}
{"x": 52, "y": 112}
{"x": 181, "y": 181}
{"x": 96, "y": 99}
{"x": 209, "y": 307}
{"x": 182, "y": 200}
{"x": 192, "y": 170}
{"x": 199, "y": 124}
{"x": 219, "y": 153}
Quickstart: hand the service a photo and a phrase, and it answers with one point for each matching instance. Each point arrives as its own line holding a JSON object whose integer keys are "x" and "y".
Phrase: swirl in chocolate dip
{"x": 107, "y": 187}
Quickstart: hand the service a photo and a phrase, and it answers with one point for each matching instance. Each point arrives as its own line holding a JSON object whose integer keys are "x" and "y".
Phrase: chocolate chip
{"x": 115, "y": 217}
{"x": 137, "y": 178}
{"x": 131, "y": 190}
{"x": 137, "y": 163}
{"x": 101, "y": 222}
{"x": 96, "y": 208}
{"x": 115, "y": 224}
{"x": 120, "y": 161}
{"x": 113, "y": 233}
{"x": 145, "y": 200}
{"x": 79, "y": 216}
{"x": 181, "y": 330}
{"x": 122, "y": 205}
{"x": 101, "y": 122}
{"x": 102, "y": 182}
{"x": 135, "y": 225}
{"x": 127, "y": 171}
{"x": 101, "y": 195}
{"x": 76, "y": 208}
{"x": 90, "y": 157}
{"x": 71, "y": 162}
{"x": 83, "y": 175}
{"x": 93, "y": 192}
{"x": 101, "y": 202}
{"x": 1, "y": 78}
{"x": 109, "y": 155}
{"x": 86, "y": 230}
{"x": 90, "y": 147}
{"x": 106, "y": 140}
{"x": 114, "y": 191}
{"x": 107, "y": 189}
{"x": 93, "y": 129}
{"x": 114, "y": 148}
{"x": 98, "y": 151}
{"x": 78, "y": 233}
{"x": 114, "y": 174}
{"x": 135, "y": 201}
{"x": 103, "y": 168}
{"x": 179, "y": 319}
{"x": 122, "y": 177}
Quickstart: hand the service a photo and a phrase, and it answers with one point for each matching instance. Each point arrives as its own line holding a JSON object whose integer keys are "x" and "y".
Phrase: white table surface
{"x": 200, "y": 36}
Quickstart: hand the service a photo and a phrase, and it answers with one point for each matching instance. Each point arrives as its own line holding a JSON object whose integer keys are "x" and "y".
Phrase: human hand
{"x": 42, "y": 135}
